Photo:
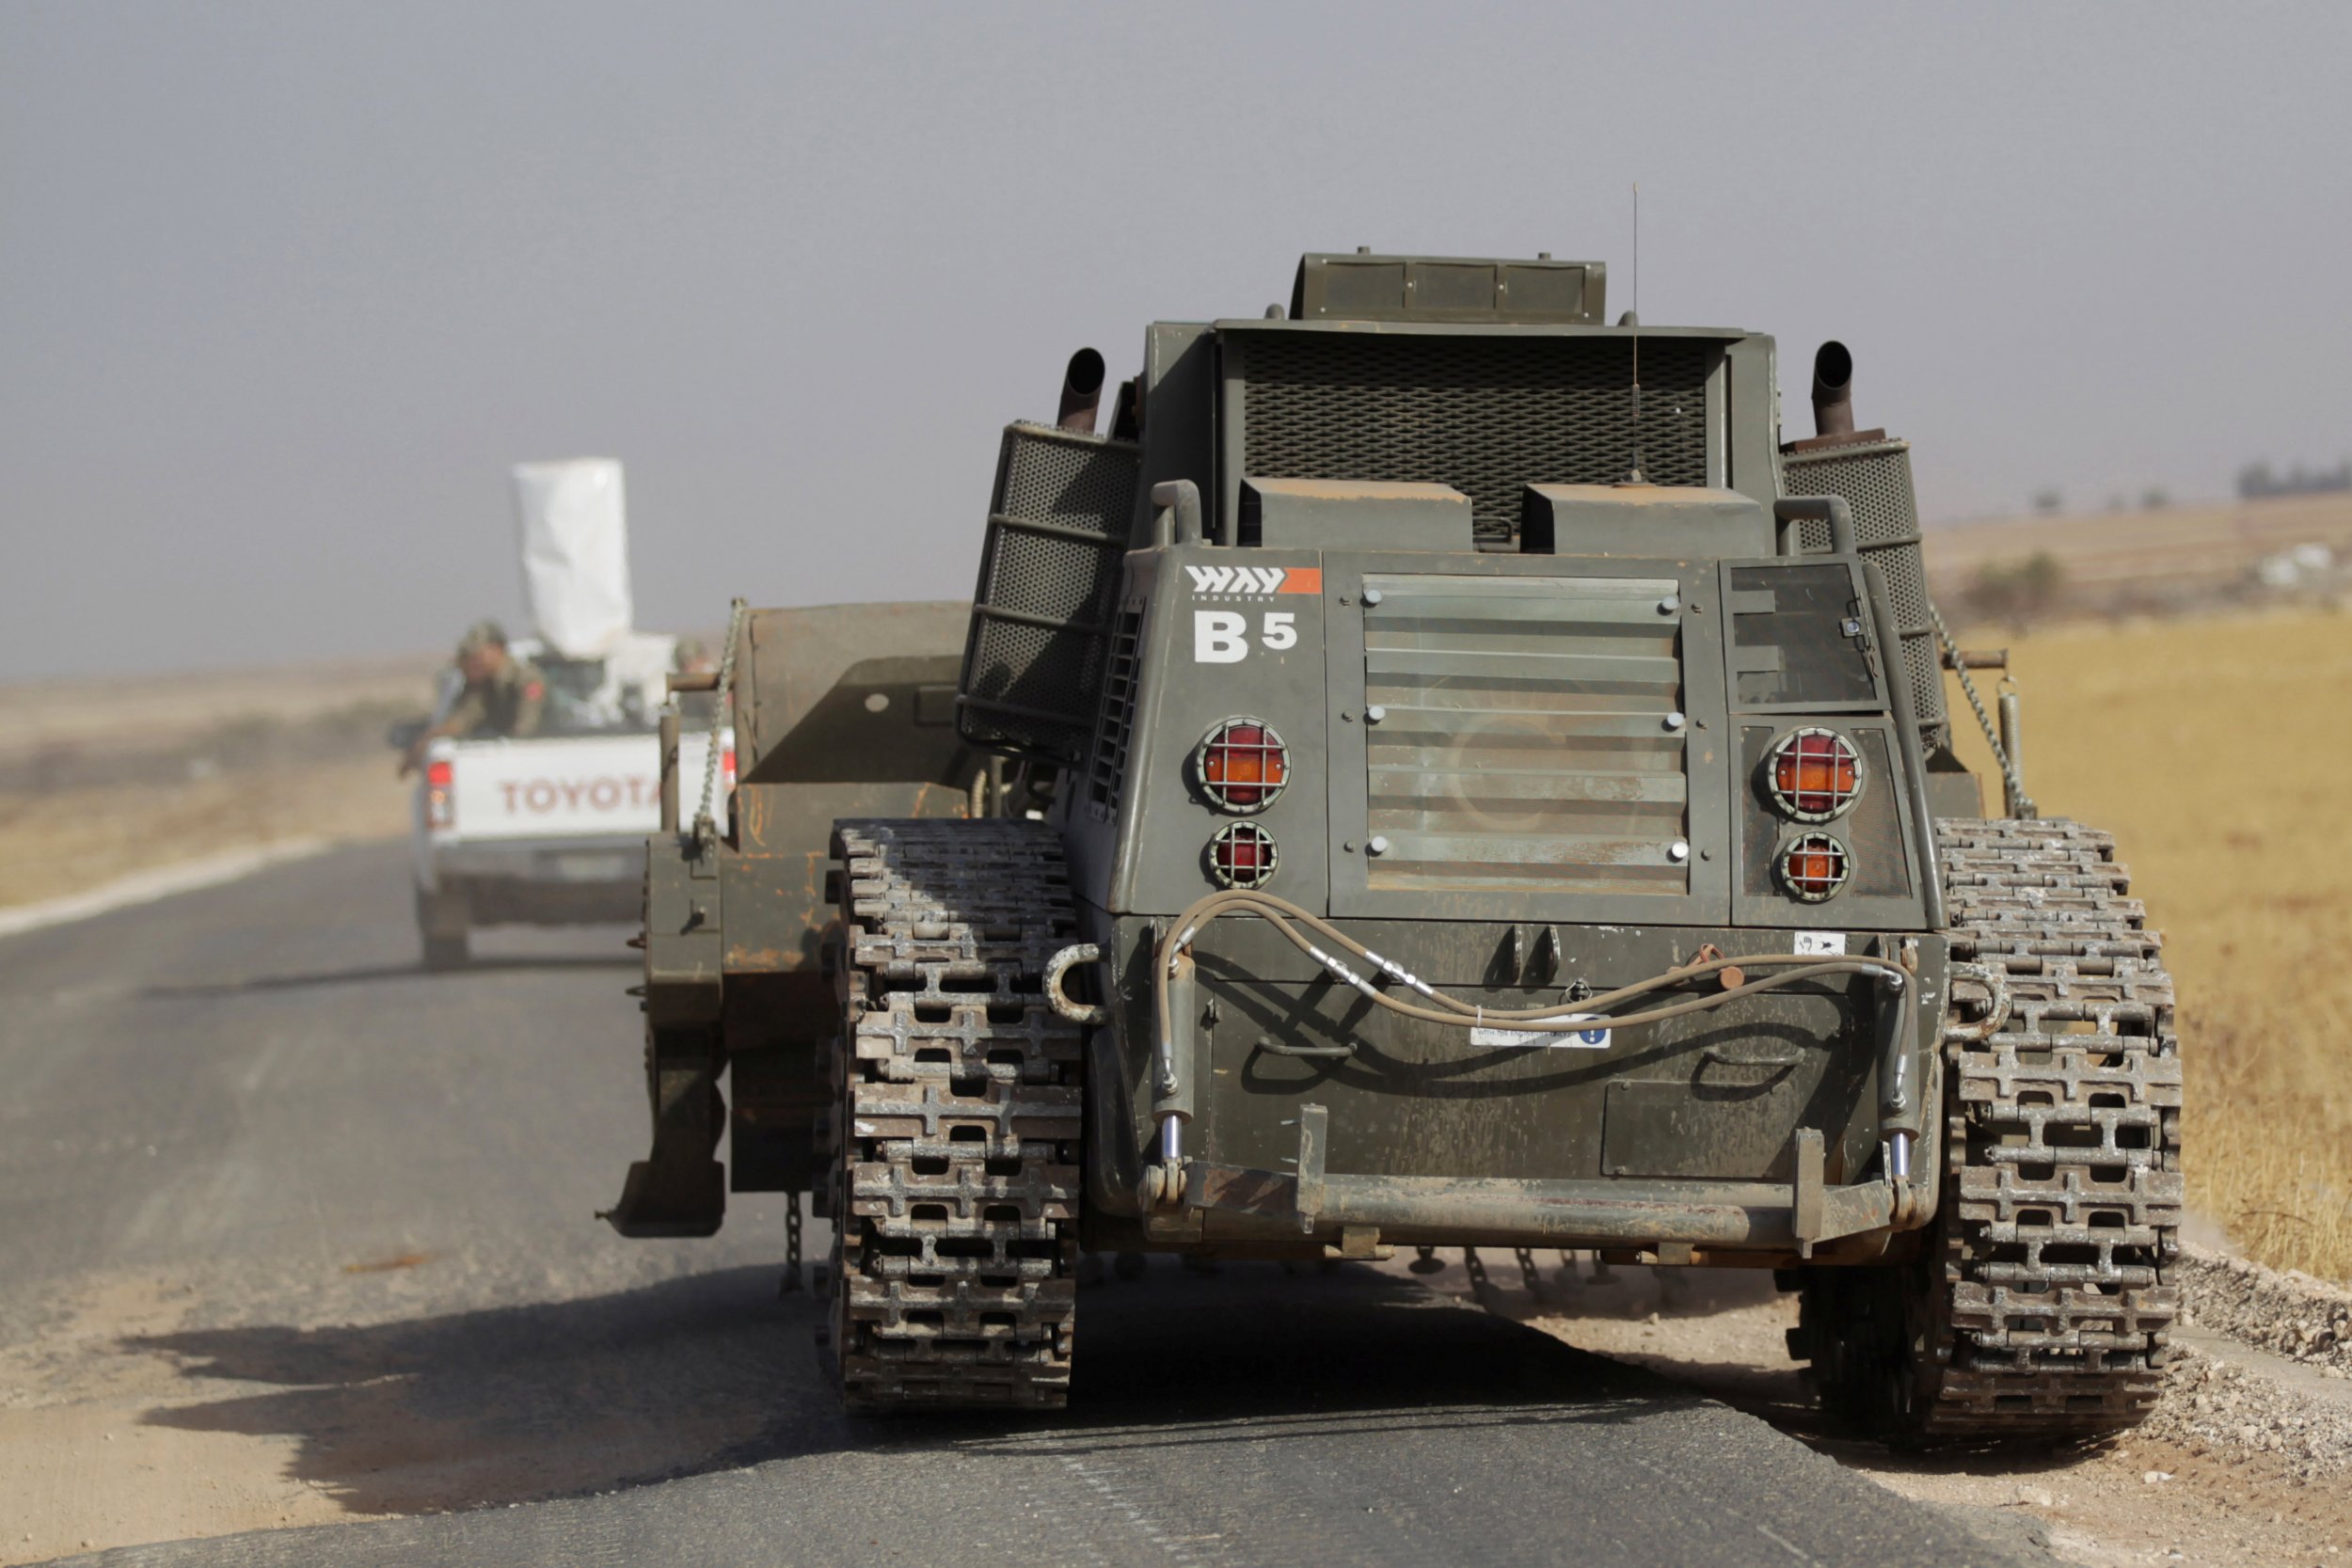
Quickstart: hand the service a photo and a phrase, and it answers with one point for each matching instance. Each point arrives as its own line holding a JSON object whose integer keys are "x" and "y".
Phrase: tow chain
{"x": 705, "y": 830}
{"x": 792, "y": 1242}
{"x": 1529, "y": 1276}
{"x": 1481, "y": 1288}
{"x": 2020, "y": 803}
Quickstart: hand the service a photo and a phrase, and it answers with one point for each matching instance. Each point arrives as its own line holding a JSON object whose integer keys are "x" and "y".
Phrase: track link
{"x": 955, "y": 1180}
{"x": 2040, "y": 1308}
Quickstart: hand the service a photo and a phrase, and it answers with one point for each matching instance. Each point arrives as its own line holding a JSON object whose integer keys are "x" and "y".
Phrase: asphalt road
{"x": 373, "y": 1187}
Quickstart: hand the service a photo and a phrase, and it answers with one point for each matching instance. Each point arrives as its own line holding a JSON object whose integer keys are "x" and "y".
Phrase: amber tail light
{"x": 1815, "y": 774}
{"x": 1243, "y": 764}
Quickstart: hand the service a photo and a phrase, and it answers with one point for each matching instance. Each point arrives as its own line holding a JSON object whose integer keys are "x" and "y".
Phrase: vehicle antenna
{"x": 1634, "y": 317}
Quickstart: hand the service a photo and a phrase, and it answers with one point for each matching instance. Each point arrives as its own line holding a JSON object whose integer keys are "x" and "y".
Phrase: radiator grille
{"x": 1108, "y": 775}
{"x": 1874, "y": 480}
{"x": 1523, "y": 742}
{"x": 1033, "y": 663}
{"x": 1486, "y": 415}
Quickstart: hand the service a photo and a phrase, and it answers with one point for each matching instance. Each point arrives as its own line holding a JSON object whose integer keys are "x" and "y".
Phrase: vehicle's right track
{"x": 2040, "y": 1308}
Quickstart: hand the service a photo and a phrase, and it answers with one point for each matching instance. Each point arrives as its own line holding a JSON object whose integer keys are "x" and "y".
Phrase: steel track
{"x": 2042, "y": 1305}
{"x": 955, "y": 1175}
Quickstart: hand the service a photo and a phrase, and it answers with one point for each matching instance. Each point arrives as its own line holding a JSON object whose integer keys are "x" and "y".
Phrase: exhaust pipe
{"x": 1832, "y": 390}
{"x": 1081, "y": 393}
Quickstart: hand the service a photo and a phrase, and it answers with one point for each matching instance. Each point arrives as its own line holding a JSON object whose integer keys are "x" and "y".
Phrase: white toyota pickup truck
{"x": 550, "y": 831}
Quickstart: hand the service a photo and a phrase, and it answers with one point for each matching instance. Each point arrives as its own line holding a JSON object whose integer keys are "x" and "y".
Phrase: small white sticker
{"x": 1581, "y": 1039}
{"x": 1811, "y": 944}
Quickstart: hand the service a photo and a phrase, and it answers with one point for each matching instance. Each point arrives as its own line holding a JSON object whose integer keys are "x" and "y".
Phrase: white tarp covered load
{"x": 573, "y": 522}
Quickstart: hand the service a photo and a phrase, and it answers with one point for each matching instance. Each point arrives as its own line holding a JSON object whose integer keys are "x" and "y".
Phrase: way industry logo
{"x": 1256, "y": 582}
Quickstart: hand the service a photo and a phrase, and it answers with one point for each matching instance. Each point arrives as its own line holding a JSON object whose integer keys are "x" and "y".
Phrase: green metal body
{"x": 839, "y": 710}
{"x": 1526, "y": 706}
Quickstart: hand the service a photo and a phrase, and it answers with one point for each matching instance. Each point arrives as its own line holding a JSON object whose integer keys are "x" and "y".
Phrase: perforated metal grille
{"x": 1486, "y": 415}
{"x": 1034, "y": 662}
{"x": 1108, "y": 777}
{"x": 1056, "y": 476}
{"x": 1874, "y": 480}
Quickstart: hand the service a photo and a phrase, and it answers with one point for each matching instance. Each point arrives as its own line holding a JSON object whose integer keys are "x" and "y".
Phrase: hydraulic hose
{"x": 1279, "y": 913}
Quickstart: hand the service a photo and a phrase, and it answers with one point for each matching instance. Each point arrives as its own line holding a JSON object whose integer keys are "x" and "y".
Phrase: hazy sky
{"x": 285, "y": 289}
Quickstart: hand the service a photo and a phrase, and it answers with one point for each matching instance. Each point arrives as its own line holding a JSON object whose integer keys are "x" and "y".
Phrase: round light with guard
{"x": 1243, "y": 764}
{"x": 1814, "y": 774}
{"x": 1242, "y": 855}
{"x": 1814, "y": 866}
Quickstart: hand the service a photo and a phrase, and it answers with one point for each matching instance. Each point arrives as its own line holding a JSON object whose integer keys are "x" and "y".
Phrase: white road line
{"x": 145, "y": 887}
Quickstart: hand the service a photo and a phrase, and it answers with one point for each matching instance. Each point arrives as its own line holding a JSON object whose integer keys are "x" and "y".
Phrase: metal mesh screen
{"x": 1049, "y": 570}
{"x": 1486, "y": 415}
{"x": 1874, "y": 480}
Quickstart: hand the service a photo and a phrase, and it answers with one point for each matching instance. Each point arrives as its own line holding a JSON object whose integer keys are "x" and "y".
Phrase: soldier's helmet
{"x": 481, "y": 635}
{"x": 691, "y": 653}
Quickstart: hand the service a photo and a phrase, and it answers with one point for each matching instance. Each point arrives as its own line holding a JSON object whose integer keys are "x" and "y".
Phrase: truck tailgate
{"x": 583, "y": 786}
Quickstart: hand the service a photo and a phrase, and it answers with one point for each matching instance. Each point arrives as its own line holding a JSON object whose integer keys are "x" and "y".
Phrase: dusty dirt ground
{"x": 101, "y": 780}
{"x": 83, "y": 1465}
{"x": 160, "y": 1407}
{"x": 2247, "y": 1462}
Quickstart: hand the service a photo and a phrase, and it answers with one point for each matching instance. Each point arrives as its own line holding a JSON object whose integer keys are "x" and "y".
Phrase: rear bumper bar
{"x": 588, "y": 860}
{"x": 1456, "y": 1210}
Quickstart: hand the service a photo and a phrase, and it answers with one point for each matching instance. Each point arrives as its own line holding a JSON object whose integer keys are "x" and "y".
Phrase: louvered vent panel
{"x": 1874, "y": 480}
{"x": 1523, "y": 742}
{"x": 1486, "y": 415}
{"x": 1107, "y": 774}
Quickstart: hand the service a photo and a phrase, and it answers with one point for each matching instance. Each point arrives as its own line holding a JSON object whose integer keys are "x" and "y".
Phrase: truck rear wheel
{"x": 441, "y": 930}
{"x": 2039, "y": 1308}
{"x": 954, "y": 1169}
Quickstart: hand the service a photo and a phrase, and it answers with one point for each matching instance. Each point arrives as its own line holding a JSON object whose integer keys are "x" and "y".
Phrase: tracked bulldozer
{"x": 1433, "y": 767}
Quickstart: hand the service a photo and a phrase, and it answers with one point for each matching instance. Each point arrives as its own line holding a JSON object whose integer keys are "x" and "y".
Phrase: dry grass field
{"x": 58, "y": 842}
{"x": 105, "y": 778}
{"x": 2179, "y": 560}
{"x": 2220, "y": 753}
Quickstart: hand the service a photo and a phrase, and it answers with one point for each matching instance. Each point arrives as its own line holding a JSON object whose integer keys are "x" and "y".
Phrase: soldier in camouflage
{"x": 505, "y": 697}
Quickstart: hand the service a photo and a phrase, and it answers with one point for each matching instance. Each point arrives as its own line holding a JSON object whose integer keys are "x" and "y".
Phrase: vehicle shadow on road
{"x": 518, "y": 1404}
{"x": 364, "y": 975}
{"x": 713, "y": 1371}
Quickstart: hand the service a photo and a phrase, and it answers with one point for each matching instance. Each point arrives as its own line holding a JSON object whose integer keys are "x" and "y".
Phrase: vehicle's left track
{"x": 954, "y": 1173}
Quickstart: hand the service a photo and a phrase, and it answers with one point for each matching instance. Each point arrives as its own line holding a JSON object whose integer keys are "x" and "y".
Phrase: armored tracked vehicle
{"x": 1464, "y": 782}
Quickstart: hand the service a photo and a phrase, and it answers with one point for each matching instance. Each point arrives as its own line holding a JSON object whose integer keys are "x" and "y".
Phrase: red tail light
{"x": 1813, "y": 866}
{"x": 440, "y": 796}
{"x": 1815, "y": 774}
{"x": 1242, "y": 855}
{"x": 1243, "y": 764}
{"x": 726, "y": 768}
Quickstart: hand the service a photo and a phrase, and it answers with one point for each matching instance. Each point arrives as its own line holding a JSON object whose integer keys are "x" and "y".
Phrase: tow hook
{"x": 1056, "y": 968}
